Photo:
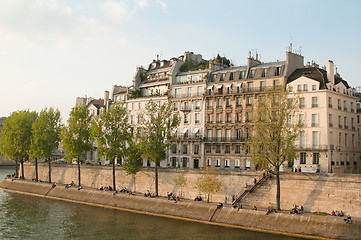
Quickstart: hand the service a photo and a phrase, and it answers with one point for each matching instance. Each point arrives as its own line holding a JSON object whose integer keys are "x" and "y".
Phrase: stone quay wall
{"x": 308, "y": 224}
{"x": 316, "y": 192}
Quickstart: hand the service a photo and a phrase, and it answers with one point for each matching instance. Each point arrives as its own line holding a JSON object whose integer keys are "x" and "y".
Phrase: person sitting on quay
{"x": 169, "y": 195}
{"x": 198, "y": 198}
{"x": 80, "y": 187}
{"x": 72, "y": 183}
{"x": 270, "y": 209}
{"x": 53, "y": 185}
{"x": 348, "y": 219}
{"x": 254, "y": 208}
{"x": 101, "y": 187}
{"x": 219, "y": 205}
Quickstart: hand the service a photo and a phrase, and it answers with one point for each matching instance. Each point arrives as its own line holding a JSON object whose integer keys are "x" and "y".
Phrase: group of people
{"x": 106, "y": 188}
{"x": 271, "y": 209}
{"x": 296, "y": 209}
{"x": 171, "y": 196}
{"x": 149, "y": 194}
{"x": 337, "y": 213}
{"x": 237, "y": 205}
{"x": 70, "y": 185}
{"x": 12, "y": 176}
{"x": 198, "y": 198}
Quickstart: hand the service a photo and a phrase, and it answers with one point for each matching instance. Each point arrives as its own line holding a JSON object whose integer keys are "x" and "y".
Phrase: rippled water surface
{"x": 28, "y": 217}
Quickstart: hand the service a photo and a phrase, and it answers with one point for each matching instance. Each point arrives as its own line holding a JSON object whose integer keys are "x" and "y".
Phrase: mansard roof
{"x": 317, "y": 74}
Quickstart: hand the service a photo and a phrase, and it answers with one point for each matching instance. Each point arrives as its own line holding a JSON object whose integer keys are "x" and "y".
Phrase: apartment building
{"x": 229, "y": 97}
{"x": 329, "y": 142}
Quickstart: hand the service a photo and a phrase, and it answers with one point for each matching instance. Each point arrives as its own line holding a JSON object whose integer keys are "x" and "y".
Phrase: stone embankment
{"x": 307, "y": 224}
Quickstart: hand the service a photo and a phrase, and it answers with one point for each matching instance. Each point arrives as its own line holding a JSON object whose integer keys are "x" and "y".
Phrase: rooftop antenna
{"x": 157, "y": 57}
{"x": 160, "y": 55}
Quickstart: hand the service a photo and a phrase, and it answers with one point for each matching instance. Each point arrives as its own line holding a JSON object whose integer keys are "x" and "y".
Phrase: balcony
{"x": 330, "y": 105}
{"x": 191, "y": 137}
{"x": 314, "y": 124}
{"x": 223, "y": 139}
{"x": 330, "y": 124}
{"x": 185, "y": 108}
{"x": 313, "y": 148}
{"x": 314, "y": 105}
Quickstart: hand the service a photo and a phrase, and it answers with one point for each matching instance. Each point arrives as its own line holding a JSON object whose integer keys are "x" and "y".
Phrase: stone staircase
{"x": 250, "y": 188}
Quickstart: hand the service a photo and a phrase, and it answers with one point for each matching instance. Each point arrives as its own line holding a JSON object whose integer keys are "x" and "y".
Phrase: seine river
{"x": 28, "y": 217}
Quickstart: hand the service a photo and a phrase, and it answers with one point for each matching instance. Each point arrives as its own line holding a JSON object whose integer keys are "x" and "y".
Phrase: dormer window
{"x": 241, "y": 75}
{"x": 278, "y": 71}
{"x": 251, "y": 74}
{"x": 313, "y": 87}
{"x": 231, "y": 76}
{"x": 264, "y": 72}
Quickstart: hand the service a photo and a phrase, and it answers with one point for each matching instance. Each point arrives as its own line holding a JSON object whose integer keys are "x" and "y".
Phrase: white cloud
{"x": 141, "y": 3}
{"x": 115, "y": 10}
{"x": 162, "y": 4}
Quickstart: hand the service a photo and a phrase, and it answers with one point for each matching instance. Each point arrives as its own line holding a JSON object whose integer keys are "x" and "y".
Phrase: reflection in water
{"x": 29, "y": 217}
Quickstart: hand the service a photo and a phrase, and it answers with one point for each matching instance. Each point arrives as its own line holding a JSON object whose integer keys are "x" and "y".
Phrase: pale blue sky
{"x": 53, "y": 51}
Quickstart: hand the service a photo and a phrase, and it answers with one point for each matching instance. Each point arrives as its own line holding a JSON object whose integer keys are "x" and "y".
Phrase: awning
{"x": 219, "y": 86}
{"x": 184, "y": 130}
{"x": 239, "y": 85}
{"x": 196, "y": 130}
{"x": 210, "y": 87}
{"x": 229, "y": 85}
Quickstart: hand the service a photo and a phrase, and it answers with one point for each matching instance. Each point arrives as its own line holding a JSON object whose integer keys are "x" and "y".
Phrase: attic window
{"x": 241, "y": 75}
{"x": 313, "y": 87}
{"x": 231, "y": 76}
{"x": 278, "y": 71}
{"x": 264, "y": 72}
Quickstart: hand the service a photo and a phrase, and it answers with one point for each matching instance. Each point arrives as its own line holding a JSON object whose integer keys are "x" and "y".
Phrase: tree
{"x": 15, "y": 137}
{"x": 275, "y": 130}
{"x": 46, "y": 136}
{"x": 133, "y": 161}
{"x": 208, "y": 182}
{"x": 156, "y": 128}
{"x": 76, "y": 136}
{"x": 111, "y": 131}
{"x": 181, "y": 181}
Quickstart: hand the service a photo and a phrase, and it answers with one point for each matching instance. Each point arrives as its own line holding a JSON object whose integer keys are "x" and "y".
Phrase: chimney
{"x": 106, "y": 99}
{"x": 330, "y": 71}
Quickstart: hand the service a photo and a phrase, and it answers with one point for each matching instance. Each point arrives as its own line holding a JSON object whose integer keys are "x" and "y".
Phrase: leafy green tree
{"x": 133, "y": 161}
{"x": 225, "y": 61}
{"x": 45, "y": 138}
{"x": 180, "y": 181}
{"x": 111, "y": 131}
{"x": 156, "y": 128}
{"x": 208, "y": 182}
{"x": 76, "y": 135}
{"x": 15, "y": 137}
{"x": 275, "y": 130}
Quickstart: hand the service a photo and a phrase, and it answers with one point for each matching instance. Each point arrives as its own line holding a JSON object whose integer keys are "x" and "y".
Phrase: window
{"x": 238, "y": 101}
{"x": 189, "y": 92}
{"x": 339, "y": 104}
{"x": 264, "y": 72}
{"x": 199, "y": 91}
{"x": 345, "y": 139}
{"x": 186, "y": 135}
{"x": 174, "y": 161}
{"x": 196, "y": 149}
{"x": 250, "y": 86}
{"x": 218, "y": 162}
{"x": 344, "y": 106}
{"x": 299, "y": 88}
{"x": 339, "y": 122}
{"x": 275, "y": 83}
{"x": 277, "y": 71}
{"x": 237, "y": 163}
{"x": 314, "y": 120}
{"x": 340, "y": 139}
{"x": 226, "y": 163}
{"x": 238, "y": 117}
{"x": 219, "y": 117}
{"x": 237, "y": 149}
{"x": 352, "y": 125}
{"x": 209, "y": 103}
{"x": 313, "y": 87}
{"x": 305, "y": 87}
{"x": 315, "y": 140}
{"x": 314, "y": 102}
{"x": 228, "y": 134}
{"x": 248, "y": 116}
{"x": 184, "y": 162}
{"x": 241, "y": 75}
{"x": 185, "y": 149}
{"x": 249, "y": 101}
{"x": 228, "y": 102}
{"x": 345, "y": 122}
{"x": 228, "y": 117}
{"x": 302, "y": 102}
{"x": 303, "y": 156}
{"x": 186, "y": 118}
{"x": 174, "y": 148}
{"x": 209, "y": 118}
{"x": 175, "y": 106}
{"x": 177, "y": 92}
{"x": 218, "y": 148}
{"x": 330, "y": 120}
{"x": 223, "y": 76}
{"x": 214, "y": 77}
{"x": 262, "y": 85}
{"x": 209, "y": 162}
{"x": 227, "y": 149}
{"x": 197, "y": 105}
{"x": 219, "y": 134}
{"x": 231, "y": 76}
{"x": 209, "y": 133}
{"x": 219, "y": 103}
{"x": 208, "y": 148}
{"x": 316, "y": 158}
{"x": 238, "y": 134}
{"x": 290, "y": 89}
{"x": 196, "y": 117}
{"x": 352, "y": 109}
{"x": 302, "y": 119}
{"x": 251, "y": 73}
{"x": 330, "y": 102}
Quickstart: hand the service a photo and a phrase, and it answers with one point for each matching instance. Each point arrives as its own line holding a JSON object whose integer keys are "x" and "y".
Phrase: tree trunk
{"x": 79, "y": 172}
{"x": 36, "y": 170}
{"x": 16, "y": 168}
{"x": 156, "y": 179}
{"x": 49, "y": 171}
{"x": 22, "y": 168}
{"x": 114, "y": 175}
{"x": 278, "y": 196}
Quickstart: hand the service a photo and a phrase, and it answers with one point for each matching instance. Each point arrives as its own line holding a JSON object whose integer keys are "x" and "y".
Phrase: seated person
{"x": 254, "y": 208}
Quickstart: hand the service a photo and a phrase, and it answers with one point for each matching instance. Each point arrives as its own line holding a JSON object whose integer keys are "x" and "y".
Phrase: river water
{"x": 28, "y": 217}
